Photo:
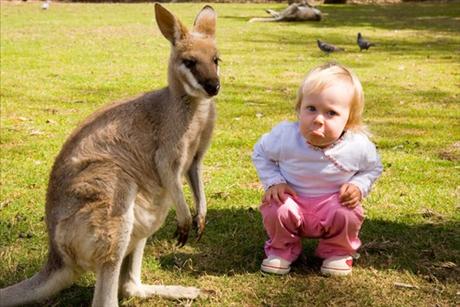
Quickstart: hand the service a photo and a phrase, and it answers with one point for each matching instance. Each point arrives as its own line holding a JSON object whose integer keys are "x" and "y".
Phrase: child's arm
{"x": 370, "y": 169}
{"x": 266, "y": 155}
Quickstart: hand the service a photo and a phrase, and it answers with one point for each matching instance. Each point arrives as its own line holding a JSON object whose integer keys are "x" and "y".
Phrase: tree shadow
{"x": 415, "y": 15}
{"x": 425, "y": 16}
{"x": 234, "y": 238}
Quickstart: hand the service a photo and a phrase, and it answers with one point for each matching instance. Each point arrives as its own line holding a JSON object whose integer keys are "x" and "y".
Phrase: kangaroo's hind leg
{"x": 131, "y": 285}
{"x": 130, "y": 275}
{"x": 273, "y": 13}
{"x": 152, "y": 217}
{"x": 108, "y": 269}
{"x": 107, "y": 276}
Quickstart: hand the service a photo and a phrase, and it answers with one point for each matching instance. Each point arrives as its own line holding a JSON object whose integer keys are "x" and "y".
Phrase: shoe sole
{"x": 335, "y": 272}
{"x": 273, "y": 270}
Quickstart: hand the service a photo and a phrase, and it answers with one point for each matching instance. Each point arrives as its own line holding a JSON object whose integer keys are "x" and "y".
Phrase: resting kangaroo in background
{"x": 118, "y": 174}
{"x": 294, "y": 12}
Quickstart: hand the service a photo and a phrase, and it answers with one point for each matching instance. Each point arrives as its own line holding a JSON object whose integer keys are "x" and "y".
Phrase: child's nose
{"x": 319, "y": 119}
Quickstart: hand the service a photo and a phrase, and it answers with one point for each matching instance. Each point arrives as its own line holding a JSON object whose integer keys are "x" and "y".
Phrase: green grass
{"x": 60, "y": 65}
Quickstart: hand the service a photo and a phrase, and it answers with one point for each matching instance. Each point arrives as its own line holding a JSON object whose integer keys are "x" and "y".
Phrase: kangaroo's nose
{"x": 212, "y": 87}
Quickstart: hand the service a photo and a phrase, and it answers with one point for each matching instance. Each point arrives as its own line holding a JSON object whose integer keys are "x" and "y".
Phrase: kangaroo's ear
{"x": 205, "y": 21}
{"x": 169, "y": 25}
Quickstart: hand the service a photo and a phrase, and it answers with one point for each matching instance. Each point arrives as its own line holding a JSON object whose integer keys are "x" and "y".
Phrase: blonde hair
{"x": 323, "y": 76}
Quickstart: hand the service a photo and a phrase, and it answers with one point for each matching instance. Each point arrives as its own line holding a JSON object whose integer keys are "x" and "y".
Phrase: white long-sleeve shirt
{"x": 284, "y": 156}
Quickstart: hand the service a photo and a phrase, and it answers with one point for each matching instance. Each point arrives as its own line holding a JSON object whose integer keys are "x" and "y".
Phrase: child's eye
{"x": 332, "y": 113}
{"x": 310, "y": 108}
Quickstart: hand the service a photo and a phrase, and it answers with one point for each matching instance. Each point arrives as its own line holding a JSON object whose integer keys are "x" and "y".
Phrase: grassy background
{"x": 60, "y": 65}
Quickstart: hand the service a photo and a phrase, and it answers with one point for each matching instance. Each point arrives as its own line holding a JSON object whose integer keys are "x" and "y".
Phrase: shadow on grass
{"x": 429, "y": 17}
{"x": 418, "y": 16}
{"x": 233, "y": 244}
{"x": 446, "y": 48}
{"x": 75, "y": 296}
{"x": 415, "y": 15}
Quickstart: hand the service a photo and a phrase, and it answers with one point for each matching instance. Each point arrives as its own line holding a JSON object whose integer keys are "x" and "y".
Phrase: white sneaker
{"x": 275, "y": 265}
{"x": 337, "y": 266}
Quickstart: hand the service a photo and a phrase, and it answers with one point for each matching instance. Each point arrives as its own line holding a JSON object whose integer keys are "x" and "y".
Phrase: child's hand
{"x": 350, "y": 195}
{"x": 278, "y": 193}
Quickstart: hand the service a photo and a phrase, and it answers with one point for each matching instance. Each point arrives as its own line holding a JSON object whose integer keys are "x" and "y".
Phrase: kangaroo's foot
{"x": 172, "y": 292}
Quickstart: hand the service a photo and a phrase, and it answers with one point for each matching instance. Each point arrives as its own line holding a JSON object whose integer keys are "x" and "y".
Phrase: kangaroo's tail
{"x": 54, "y": 277}
{"x": 262, "y": 19}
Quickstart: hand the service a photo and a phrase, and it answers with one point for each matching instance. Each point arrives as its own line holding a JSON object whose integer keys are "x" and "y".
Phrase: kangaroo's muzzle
{"x": 211, "y": 86}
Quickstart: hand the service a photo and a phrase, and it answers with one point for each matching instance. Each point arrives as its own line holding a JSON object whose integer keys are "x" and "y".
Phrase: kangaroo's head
{"x": 193, "y": 65}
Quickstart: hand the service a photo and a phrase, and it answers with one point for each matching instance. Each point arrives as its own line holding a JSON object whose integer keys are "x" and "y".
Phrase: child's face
{"x": 323, "y": 115}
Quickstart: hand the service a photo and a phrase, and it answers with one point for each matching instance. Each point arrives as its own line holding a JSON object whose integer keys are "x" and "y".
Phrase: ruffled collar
{"x": 338, "y": 141}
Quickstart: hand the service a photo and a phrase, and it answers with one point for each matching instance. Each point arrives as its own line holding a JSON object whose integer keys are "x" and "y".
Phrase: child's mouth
{"x": 317, "y": 133}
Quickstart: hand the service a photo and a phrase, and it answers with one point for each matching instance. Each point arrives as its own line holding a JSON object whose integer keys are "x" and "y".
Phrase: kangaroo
{"x": 294, "y": 12}
{"x": 121, "y": 170}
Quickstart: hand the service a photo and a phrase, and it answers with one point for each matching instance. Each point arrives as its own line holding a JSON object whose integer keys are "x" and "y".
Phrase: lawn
{"x": 60, "y": 65}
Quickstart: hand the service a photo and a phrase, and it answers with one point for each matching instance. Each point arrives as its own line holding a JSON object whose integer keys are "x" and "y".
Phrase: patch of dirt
{"x": 451, "y": 153}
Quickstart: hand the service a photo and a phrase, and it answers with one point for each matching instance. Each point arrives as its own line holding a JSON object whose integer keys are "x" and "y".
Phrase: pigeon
{"x": 363, "y": 44}
{"x": 328, "y": 48}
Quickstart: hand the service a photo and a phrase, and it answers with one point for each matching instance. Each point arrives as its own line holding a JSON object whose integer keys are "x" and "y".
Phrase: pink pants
{"x": 318, "y": 217}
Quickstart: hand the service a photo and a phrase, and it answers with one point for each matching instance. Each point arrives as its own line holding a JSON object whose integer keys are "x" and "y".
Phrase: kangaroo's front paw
{"x": 182, "y": 234}
{"x": 199, "y": 223}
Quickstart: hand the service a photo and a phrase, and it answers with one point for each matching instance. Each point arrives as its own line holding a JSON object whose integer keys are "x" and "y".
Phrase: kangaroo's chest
{"x": 198, "y": 134}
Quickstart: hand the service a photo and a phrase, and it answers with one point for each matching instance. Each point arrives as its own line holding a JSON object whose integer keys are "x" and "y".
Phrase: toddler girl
{"x": 315, "y": 173}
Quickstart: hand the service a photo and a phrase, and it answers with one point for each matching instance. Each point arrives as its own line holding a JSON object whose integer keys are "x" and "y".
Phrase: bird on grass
{"x": 363, "y": 44}
{"x": 46, "y": 5}
{"x": 328, "y": 48}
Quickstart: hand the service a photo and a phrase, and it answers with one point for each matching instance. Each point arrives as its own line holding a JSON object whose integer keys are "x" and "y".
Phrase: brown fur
{"x": 117, "y": 175}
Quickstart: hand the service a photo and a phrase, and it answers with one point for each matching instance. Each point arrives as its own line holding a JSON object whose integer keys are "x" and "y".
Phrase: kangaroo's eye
{"x": 189, "y": 63}
{"x": 216, "y": 60}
